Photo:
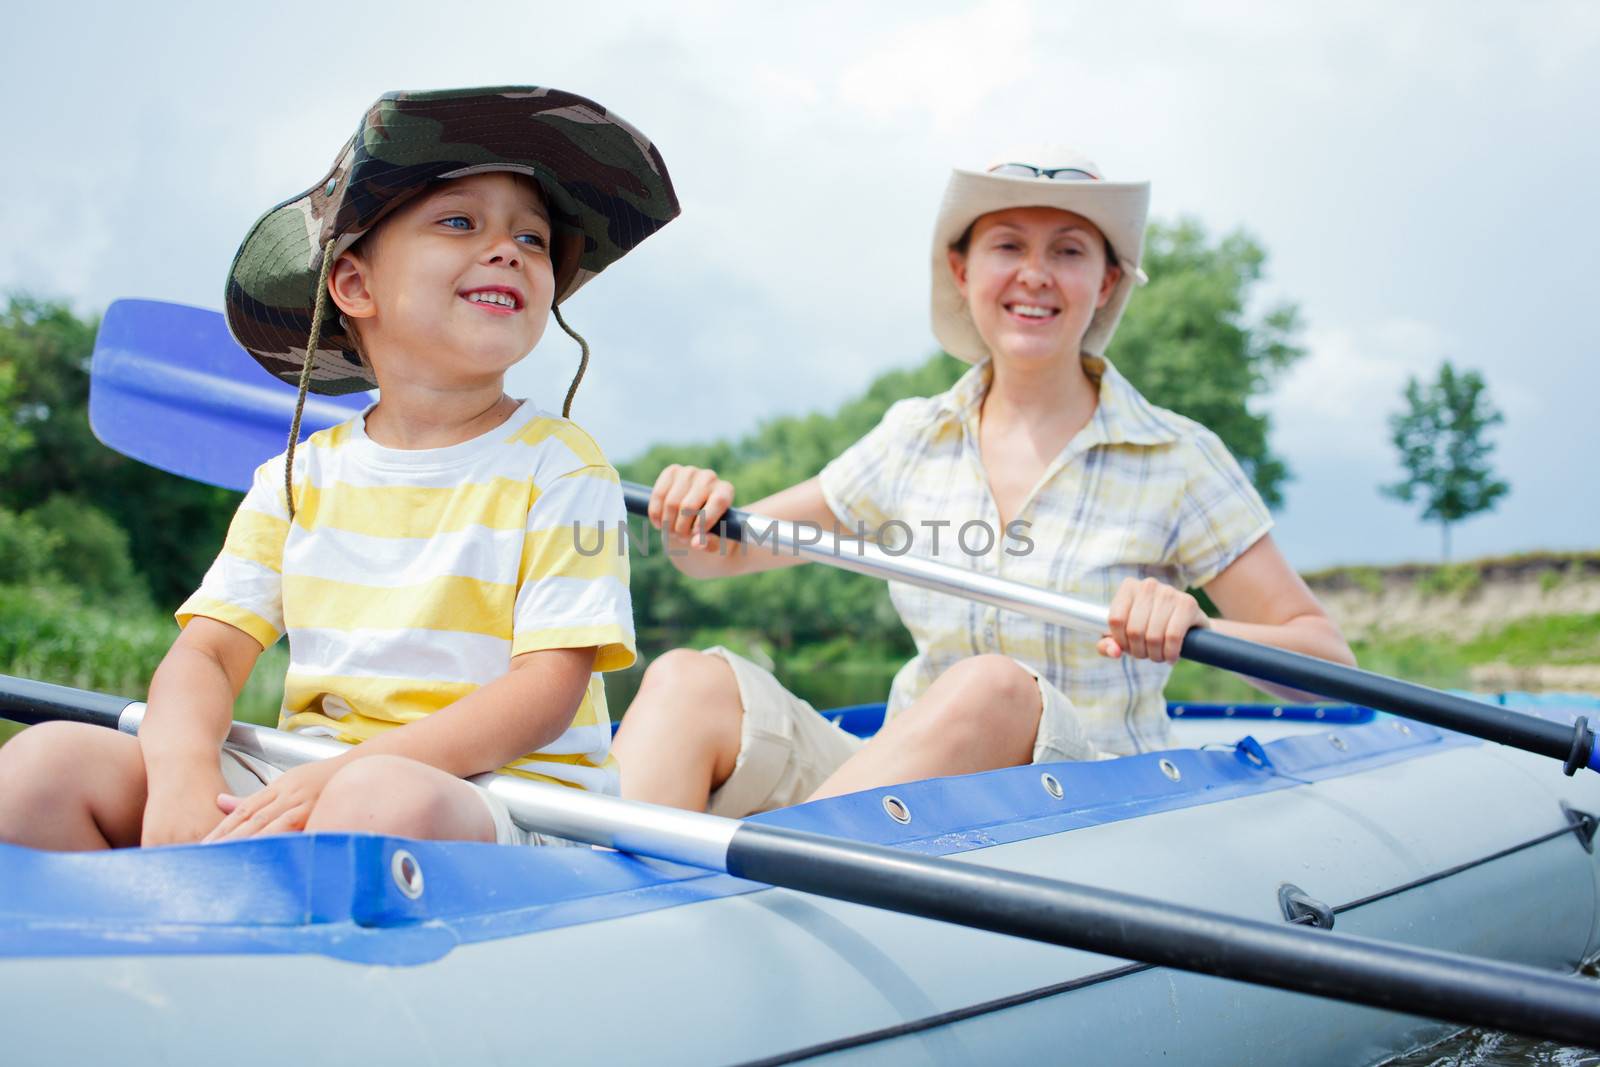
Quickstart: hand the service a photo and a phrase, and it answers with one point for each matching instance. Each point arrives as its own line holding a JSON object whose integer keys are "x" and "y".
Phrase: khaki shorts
{"x": 787, "y": 749}
{"x": 245, "y": 774}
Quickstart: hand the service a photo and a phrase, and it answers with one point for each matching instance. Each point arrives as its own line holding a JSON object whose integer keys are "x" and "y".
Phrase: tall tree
{"x": 14, "y": 436}
{"x": 1440, "y": 437}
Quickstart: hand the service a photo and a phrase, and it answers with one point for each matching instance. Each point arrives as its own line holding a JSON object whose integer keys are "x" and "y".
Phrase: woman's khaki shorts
{"x": 786, "y": 749}
{"x": 245, "y": 774}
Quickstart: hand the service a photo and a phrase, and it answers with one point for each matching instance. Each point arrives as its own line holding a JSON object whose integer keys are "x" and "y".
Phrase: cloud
{"x": 1413, "y": 172}
{"x": 945, "y": 68}
{"x": 1347, "y": 385}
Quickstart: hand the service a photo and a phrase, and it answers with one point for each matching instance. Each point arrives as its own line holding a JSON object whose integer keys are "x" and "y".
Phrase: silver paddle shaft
{"x": 593, "y": 818}
{"x": 864, "y": 557}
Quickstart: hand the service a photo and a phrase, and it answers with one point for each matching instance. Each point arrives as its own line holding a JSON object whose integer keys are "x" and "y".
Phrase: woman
{"x": 1105, "y": 497}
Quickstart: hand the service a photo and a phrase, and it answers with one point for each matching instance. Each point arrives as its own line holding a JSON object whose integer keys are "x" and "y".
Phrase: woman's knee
{"x": 686, "y": 686}
{"x": 985, "y": 700}
{"x": 979, "y": 683}
{"x": 686, "y": 670}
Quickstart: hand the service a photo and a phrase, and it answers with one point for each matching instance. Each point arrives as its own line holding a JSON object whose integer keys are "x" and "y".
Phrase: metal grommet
{"x": 1319, "y": 713}
{"x": 407, "y": 873}
{"x": 1337, "y": 742}
{"x": 1277, "y": 713}
{"x": 1052, "y": 785}
{"x": 1402, "y": 728}
{"x": 1176, "y": 711}
{"x": 1227, "y": 712}
{"x": 897, "y": 810}
{"x": 333, "y": 183}
{"x": 1170, "y": 769}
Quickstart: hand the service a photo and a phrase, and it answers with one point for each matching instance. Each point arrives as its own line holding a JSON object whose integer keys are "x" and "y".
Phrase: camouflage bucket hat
{"x": 605, "y": 184}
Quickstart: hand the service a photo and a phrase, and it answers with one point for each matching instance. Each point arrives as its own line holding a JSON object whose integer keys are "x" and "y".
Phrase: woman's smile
{"x": 1031, "y": 313}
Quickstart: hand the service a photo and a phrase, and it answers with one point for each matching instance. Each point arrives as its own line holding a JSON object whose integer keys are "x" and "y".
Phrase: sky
{"x": 1420, "y": 175}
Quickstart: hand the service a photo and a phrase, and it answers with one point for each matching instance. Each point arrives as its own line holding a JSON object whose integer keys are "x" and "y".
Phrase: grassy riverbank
{"x": 52, "y": 633}
{"x": 1528, "y": 622}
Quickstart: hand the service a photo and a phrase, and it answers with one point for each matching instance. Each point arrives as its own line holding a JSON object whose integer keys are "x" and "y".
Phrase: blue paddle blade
{"x": 169, "y": 386}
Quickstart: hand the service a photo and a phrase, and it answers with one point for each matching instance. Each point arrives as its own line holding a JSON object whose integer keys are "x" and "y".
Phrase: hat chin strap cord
{"x": 318, "y": 310}
{"x": 583, "y": 362}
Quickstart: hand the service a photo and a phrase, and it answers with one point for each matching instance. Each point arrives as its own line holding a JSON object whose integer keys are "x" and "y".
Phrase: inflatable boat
{"x": 369, "y": 949}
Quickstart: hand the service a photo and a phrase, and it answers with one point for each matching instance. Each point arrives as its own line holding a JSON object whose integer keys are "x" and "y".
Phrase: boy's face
{"x": 455, "y": 287}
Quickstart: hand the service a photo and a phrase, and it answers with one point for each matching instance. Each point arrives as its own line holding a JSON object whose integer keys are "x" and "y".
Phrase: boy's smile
{"x": 497, "y": 299}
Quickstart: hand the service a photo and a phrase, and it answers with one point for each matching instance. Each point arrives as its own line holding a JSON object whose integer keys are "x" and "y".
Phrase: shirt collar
{"x": 1122, "y": 416}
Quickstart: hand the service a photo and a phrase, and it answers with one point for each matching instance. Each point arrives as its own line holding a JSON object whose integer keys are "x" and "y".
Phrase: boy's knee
{"x": 357, "y": 793}
{"x": 381, "y": 795}
{"x": 44, "y": 787}
{"x": 42, "y": 752}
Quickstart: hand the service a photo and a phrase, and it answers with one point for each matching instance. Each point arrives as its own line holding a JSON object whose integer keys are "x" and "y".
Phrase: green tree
{"x": 833, "y": 637}
{"x": 174, "y": 527}
{"x": 14, "y": 436}
{"x": 1189, "y": 343}
{"x": 1440, "y": 437}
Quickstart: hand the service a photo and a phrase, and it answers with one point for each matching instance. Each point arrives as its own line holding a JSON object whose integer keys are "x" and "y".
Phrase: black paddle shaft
{"x": 26, "y": 701}
{"x": 1402, "y": 978}
{"x": 1574, "y": 745}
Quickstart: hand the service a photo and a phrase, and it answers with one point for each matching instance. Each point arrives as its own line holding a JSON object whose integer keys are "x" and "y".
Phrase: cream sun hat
{"x": 1055, "y": 177}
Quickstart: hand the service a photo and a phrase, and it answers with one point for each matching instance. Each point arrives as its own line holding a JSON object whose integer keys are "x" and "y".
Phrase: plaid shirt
{"x": 1139, "y": 492}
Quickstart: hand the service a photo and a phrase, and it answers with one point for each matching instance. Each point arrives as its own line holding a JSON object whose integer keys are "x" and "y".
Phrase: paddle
{"x": 168, "y": 377}
{"x": 1446, "y": 986}
{"x": 1574, "y": 745}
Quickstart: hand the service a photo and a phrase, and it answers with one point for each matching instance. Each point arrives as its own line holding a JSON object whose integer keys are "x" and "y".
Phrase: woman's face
{"x": 1033, "y": 278}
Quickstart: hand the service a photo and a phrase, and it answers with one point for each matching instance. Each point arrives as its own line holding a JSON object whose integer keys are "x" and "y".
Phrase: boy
{"x": 422, "y": 557}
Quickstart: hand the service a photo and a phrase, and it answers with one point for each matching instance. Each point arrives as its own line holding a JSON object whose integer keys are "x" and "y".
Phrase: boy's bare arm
{"x": 188, "y": 715}
{"x": 523, "y": 710}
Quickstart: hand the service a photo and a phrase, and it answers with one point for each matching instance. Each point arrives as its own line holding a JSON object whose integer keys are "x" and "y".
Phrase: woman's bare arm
{"x": 1263, "y": 599}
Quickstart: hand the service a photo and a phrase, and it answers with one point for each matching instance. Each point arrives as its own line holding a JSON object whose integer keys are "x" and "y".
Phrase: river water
{"x": 1482, "y": 1048}
{"x": 1487, "y": 1048}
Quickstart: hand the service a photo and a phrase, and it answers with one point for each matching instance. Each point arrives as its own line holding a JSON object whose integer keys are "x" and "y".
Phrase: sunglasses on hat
{"x": 1055, "y": 174}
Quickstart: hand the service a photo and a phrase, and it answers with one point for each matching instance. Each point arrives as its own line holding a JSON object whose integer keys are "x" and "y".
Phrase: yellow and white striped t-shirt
{"x": 409, "y": 578}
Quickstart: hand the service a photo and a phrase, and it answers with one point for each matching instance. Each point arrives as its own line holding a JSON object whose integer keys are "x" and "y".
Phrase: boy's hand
{"x": 281, "y": 808}
{"x": 182, "y": 813}
{"x": 1148, "y": 621}
{"x": 688, "y": 501}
